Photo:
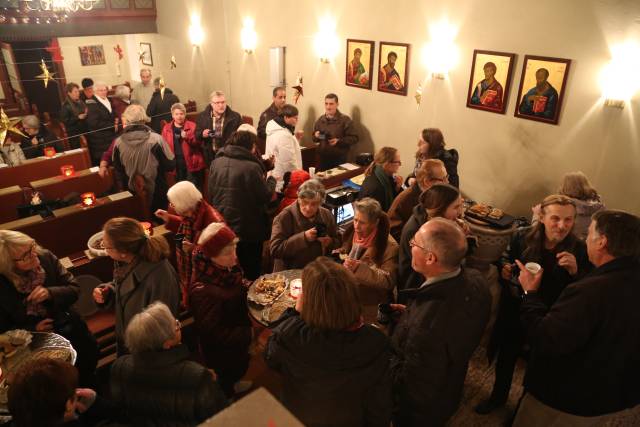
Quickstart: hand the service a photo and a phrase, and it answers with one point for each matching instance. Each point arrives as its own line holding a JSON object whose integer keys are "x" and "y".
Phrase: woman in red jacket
{"x": 181, "y": 137}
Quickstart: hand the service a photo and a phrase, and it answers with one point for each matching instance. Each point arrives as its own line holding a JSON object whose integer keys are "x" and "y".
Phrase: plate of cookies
{"x": 491, "y": 215}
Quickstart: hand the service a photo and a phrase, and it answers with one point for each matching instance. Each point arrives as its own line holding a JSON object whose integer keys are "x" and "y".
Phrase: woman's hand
{"x": 311, "y": 234}
{"x": 163, "y": 215}
{"x": 99, "y": 293}
{"x": 187, "y": 246}
{"x": 82, "y": 116}
{"x": 399, "y": 181}
{"x": 45, "y": 325}
{"x": 38, "y": 295}
{"x": 325, "y": 242}
{"x": 351, "y": 264}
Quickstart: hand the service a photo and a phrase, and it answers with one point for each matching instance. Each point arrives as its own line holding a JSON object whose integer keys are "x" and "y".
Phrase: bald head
{"x": 444, "y": 239}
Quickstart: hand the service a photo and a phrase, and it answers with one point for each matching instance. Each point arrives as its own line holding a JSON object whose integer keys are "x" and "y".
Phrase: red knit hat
{"x": 218, "y": 241}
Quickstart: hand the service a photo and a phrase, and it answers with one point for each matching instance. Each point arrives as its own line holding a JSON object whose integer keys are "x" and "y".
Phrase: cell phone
{"x": 321, "y": 229}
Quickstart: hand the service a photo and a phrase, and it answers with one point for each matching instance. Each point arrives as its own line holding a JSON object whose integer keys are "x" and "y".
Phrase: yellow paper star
{"x": 46, "y": 75}
{"x": 8, "y": 125}
{"x": 173, "y": 62}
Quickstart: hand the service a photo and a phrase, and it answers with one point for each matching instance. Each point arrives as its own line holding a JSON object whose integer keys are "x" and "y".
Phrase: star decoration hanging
{"x": 418, "y": 95}
{"x": 46, "y": 75}
{"x": 8, "y": 125}
{"x": 118, "y": 51}
{"x": 173, "y": 63}
{"x": 297, "y": 89}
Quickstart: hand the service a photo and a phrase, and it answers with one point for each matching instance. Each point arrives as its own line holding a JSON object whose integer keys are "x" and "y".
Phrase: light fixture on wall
{"x": 248, "y": 36}
{"x": 441, "y": 54}
{"x": 58, "y": 5}
{"x": 326, "y": 41}
{"x": 619, "y": 79}
{"x": 196, "y": 34}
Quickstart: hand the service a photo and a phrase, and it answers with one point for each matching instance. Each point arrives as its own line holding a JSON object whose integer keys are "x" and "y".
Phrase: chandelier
{"x": 59, "y": 5}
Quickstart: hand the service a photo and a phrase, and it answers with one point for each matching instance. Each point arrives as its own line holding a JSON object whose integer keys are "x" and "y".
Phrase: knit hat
{"x": 214, "y": 238}
{"x": 86, "y": 82}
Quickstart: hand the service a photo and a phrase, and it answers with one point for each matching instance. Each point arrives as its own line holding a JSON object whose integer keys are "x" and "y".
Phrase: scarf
{"x": 364, "y": 242}
{"x": 383, "y": 179}
{"x": 30, "y": 281}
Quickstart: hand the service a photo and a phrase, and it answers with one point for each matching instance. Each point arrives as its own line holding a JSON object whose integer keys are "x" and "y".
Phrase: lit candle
{"x": 49, "y": 151}
{"x": 88, "y": 199}
{"x": 67, "y": 170}
{"x": 148, "y": 230}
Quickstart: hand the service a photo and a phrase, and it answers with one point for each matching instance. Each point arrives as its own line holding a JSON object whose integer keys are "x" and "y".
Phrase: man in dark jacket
{"x": 439, "y": 329}
{"x": 238, "y": 190}
{"x": 215, "y": 125}
{"x": 407, "y": 276}
{"x": 100, "y": 123}
{"x": 335, "y": 134}
{"x": 159, "y": 107}
{"x": 585, "y": 358}
{"x": 279, "y": 100}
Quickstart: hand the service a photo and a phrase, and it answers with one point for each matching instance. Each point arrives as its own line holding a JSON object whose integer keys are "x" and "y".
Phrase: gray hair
{"x": 216, "y": 94}
{"x": 312, "y": 189}
{"x": 179, "y": 106}
{"x": 444, "y": 238}
{"x": 150, "y": 329}
{"x": 157, "y": 80}
{"x": 134, "y": 114}
{"x": 184, "y": 196}
{"x": 31, "y": 121}
{"x": 370, "y": 207}
{"x": 9, "y": 241}
{"x": 122, "y": 92}
{"x": 97, "y": 85}
{"x": 142, "y": 70}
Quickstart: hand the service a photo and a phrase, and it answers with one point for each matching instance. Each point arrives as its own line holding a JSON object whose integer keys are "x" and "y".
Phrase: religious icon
{"x": 393, "y": 75}
{"x": 490, "y": 80}
{"x": 359, "y": 63}
{"x": 542, "y": 87}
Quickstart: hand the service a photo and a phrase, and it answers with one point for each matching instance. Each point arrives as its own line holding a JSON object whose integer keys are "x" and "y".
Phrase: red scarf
{"x": 364, "y": 242}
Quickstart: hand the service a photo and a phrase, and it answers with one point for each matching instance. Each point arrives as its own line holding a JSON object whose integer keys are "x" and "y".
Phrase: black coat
{"x": 45, "y": 139}
{"x": 586, "y": 347}
{"x": 434, "y": 340}
{"x": 407, "y": 277}
{"x": 159, "y": 108}
{"x": 61, "y": 284}
{"x": 332, "y": 378}
{"x": 164, "y": 388}
{"x": 372, "y": 187}
{"x": 99, "y": 117}
{"x": 450, "y": 159}
{"x": 69, "y": 115}
{"x": 238, "y": 190}
{"x": 232, "y": 121}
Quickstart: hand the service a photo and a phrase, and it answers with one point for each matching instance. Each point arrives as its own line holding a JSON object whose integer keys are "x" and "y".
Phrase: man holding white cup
{"x": 548, "y": 245}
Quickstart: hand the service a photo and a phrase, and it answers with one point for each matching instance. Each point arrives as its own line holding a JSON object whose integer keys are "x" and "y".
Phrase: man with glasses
{"x": 439, "y": 329}
{"x": 215, "y": 125}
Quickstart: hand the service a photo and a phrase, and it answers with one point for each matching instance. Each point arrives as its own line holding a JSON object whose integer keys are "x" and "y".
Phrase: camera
{"x": 324, "y": 136}
{"x": 321, "y": 229}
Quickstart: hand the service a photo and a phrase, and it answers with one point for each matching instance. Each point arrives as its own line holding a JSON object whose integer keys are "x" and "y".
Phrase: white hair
{"x": 312, "y": 189}
{"x": 142, "y": 70}
{"x": 150, "y": 329}
{"x": 179, "y": 106}
{"x": 216, "y": 94}
{"x": 31, "y": 121}
{"x": 122, "y": 92}
{"x": 134, "y": 114}
{"x": 97, "y": 85}
{"x": 9, "y": 241}
{"x": 246, "y": 127}
{"x": 184, "y": 196}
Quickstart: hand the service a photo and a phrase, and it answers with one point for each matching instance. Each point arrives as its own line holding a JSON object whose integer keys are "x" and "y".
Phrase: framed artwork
{"x": 146, "y": 56}
{"x": 393, "y": 75}
{"x": 92, "y": 55}
{"x": 490, "y": 80}
{"x": 542, "y": 87}
{"x": 359, "y": 63}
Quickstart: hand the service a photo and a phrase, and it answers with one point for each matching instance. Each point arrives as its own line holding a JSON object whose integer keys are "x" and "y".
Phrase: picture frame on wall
{"x": 359, "y": 63}
{"x": 92, "y": 55}
{"x": 542, "y": 86}
{"x": 393, "y": 71}
{"x": 147, "y": 56}
{"x": 490, "y": 80}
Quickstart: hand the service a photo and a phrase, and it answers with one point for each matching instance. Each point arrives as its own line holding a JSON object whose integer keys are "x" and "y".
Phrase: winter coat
{"x": 191, "y": 147}
{"x": 289, "y": 246}
{"x": 119, "y": 105}
{"x": 238, "y": 190}
{"x": 372, "y": 187}
{"x": 69, "y": 116}
{"x": 139, "y": 151}
{"x": 164, "y": 388}
{"x": 407, "y": 277}
{"x": 585, "y": 356}
{"x": 332, "y": 378}
{"x": 433, "y": 342}
{"x": 148, "y": 282}
{"x": 230, "y": 124}
{"x": 159, "y": 108}
{"x": 290, "y": 190}
{"x": 341, "y": 127}
{"x": 101, "y": 122}
{"x": 402, "y": 208}
{"x": 450, "y": 159}
{"x": 61, "y": 284}
{"x": 284, "y": 146}
{"x": 45, "y": 139}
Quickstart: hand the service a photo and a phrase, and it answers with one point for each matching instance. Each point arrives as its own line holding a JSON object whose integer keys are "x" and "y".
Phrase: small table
{"x": 262, "y": 313}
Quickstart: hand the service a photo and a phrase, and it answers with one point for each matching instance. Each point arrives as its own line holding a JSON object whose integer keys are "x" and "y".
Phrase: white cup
{"x": 533, "y": 267}
{"x": 312, "y": 172}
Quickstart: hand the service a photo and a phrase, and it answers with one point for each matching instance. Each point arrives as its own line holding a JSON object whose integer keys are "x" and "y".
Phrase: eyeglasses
{"x": 443, "y": 179}
{"x": 413, "y": 243}
{"x": 28, "y": 255}
{"x": 102, "y": 246}
{"x": 398, "y": 162}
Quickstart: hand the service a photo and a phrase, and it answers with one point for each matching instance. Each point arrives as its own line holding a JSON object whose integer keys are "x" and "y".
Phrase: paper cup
{"x": 312, "y": 172}
{"x": 533, "y": 267}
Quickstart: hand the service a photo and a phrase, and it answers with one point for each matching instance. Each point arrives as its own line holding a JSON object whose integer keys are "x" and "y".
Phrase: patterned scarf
{"x": 183, "y": 258}
{"x": 30, "y": 281}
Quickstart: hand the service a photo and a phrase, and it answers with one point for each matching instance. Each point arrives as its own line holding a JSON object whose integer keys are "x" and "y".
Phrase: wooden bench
{"x": 42, "y": 167}
{"x": 87, "y": 180}
{"x": 10, "y": 198}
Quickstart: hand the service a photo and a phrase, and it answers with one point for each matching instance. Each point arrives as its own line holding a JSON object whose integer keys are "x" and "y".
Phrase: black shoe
{"x": 488, "y": 406}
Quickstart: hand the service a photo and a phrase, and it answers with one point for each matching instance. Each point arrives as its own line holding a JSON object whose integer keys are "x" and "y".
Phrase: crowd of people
{"x": 390, "y": 312}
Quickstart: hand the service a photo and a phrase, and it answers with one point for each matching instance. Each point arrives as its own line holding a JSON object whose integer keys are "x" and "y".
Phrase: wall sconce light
{"x": 248, "y": 36}
{"x": 441, "y": 54}
{"x": 326, "y": 42}
{"x": 196, "y": 34}
{"x": 619, "y": 79}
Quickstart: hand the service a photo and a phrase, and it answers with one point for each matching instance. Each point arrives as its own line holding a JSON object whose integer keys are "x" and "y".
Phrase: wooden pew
{"x": 87, "y": 180}
{"x": 34, "y": 169}
{"x": 70, "y": 228}
{"x": 10, "y": 197}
